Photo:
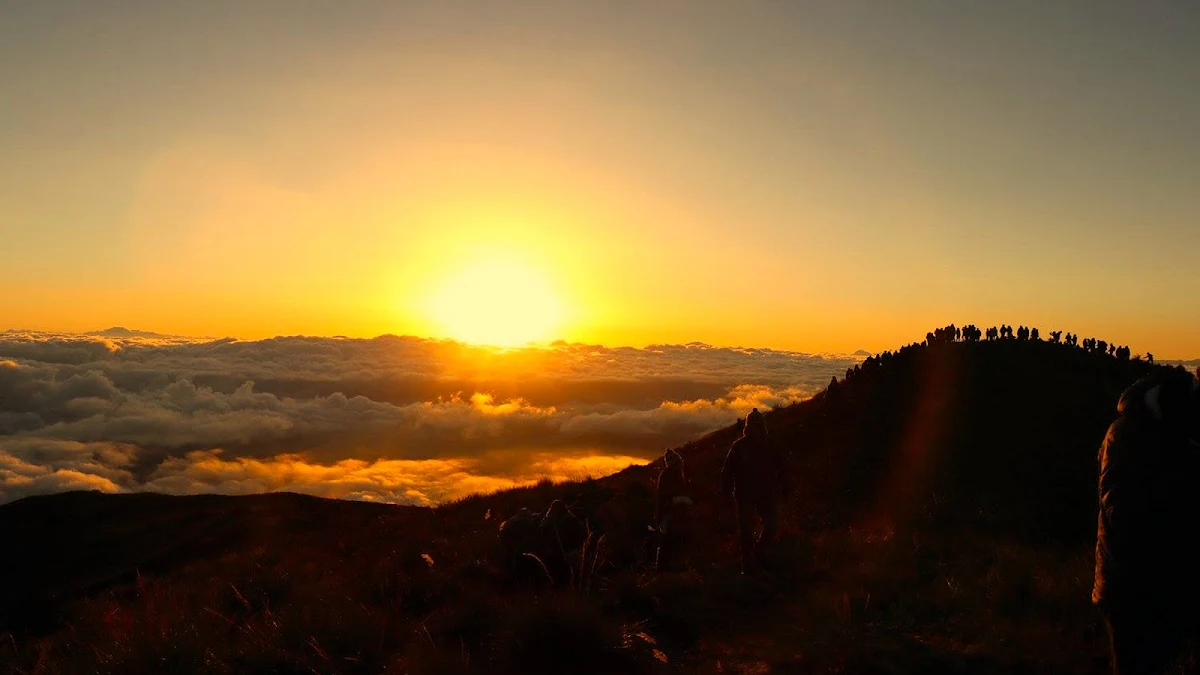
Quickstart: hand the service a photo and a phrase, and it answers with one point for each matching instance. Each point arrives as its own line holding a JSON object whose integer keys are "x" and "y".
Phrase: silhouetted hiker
{"x": 1146, "y": 561}
{"x": 519, "y": 536}
{"x": 673, "y": 510}
{"x": 754, "y": 475}
{"x": 563, "y": 536}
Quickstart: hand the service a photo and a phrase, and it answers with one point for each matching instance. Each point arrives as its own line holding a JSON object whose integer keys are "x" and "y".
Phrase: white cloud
{"x": 391, "y": 419}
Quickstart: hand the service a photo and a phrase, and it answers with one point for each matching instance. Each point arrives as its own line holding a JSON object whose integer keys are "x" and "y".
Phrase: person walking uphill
{"x": 673, "y": 510}
{"x": 1146, "y": 563}
{"x": 563, "y": 536}
{"x": 754, "y": 475}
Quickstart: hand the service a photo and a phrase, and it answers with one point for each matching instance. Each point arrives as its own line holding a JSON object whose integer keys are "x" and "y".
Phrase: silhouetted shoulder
{"x": 1116, "y": 443}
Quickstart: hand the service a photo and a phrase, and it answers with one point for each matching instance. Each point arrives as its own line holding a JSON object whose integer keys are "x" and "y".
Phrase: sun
{"x": 497, "y": 302}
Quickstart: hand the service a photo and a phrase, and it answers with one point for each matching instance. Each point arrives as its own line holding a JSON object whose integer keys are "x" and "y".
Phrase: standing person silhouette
{"x": 673, "y": 510}
{"x": 754, "y": 476}
{"x": 563, "y": 536}
{"x": 1146, "y": 561}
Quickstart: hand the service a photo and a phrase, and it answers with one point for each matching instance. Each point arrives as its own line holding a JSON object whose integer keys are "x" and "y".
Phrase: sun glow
{"x": 497, "y": 302}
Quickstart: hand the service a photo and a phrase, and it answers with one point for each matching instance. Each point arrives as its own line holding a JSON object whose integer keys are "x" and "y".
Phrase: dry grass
{"x": 843, "y": 601}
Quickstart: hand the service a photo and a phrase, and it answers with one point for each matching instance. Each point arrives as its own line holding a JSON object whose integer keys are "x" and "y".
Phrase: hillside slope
{"x": 997, "y": 435}
{"x": 943, "y": 521}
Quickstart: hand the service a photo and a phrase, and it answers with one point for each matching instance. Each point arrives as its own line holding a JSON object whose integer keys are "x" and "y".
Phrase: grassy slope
{"x": 943, "y": 525}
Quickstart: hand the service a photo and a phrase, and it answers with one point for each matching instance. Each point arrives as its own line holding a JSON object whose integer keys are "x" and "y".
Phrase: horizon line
{"x": 150, "y": 334}
{"x": 560, "y": 342}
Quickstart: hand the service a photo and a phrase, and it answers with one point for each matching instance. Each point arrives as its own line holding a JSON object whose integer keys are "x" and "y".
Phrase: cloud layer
{"x": 395, "y": 419}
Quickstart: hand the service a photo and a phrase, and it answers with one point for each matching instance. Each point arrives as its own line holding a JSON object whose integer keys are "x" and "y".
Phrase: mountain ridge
{"x": 964, "y": 465}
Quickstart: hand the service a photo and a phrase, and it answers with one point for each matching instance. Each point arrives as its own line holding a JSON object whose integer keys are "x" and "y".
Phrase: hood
{"x": 1162, "y": 395}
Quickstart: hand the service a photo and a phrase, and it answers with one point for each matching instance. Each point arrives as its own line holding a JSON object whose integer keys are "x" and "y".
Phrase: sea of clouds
{"x": 392, "y": 419}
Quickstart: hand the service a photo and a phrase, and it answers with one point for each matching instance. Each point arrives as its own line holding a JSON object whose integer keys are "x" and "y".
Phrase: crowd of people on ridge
{"x": 971, "y": 333}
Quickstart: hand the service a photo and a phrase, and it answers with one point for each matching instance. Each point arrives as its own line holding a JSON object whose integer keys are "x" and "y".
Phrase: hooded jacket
{"x": 1147, "y": 511}
{"x": 755, "y": 469}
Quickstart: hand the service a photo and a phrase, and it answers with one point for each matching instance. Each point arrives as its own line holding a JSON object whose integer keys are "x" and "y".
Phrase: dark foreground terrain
{"x": 943, "y": 524}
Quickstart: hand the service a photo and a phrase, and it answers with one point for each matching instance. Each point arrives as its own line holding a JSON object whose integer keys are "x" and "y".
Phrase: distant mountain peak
{"x": 861, "y": 352}
{"x": 121, "y": 331}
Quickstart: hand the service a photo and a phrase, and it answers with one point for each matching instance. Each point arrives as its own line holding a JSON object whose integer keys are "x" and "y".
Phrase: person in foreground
{"x": 563, "y": 536}
{"x": 1146, "y": 563}
{"x": 673, "y": 510}
{"x": 754, "y": 475}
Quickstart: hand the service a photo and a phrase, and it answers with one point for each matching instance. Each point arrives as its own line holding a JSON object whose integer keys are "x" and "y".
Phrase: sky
{"x": 811, "y": 176}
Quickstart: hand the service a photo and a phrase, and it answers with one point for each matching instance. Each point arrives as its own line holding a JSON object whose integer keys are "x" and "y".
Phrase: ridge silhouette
{"x": 976, "y": 447}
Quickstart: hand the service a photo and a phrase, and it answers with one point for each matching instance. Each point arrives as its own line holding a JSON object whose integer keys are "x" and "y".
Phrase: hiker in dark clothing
{"x": 1146, "y": 560}
{"x": 519, "y": 539}
{"x": 754, "y": 475}
{"x": 563, "y": 536}
{"x": 673, "y": 510}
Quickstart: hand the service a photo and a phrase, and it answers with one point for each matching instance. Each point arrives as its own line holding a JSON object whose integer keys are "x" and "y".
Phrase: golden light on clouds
{"x": 424, "y": 482}
{"x": 397, "y": 419}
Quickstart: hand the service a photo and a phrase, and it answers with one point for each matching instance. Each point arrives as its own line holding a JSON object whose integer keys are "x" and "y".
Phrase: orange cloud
{"x": 423, "y": 482}
{"x": 391, "y": 419}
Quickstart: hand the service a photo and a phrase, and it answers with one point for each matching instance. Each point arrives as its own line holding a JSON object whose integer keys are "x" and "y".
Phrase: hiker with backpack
{"x": 563, "y": 535}
{"x": 673, "y": 510}
{"x": 754, "y": 477}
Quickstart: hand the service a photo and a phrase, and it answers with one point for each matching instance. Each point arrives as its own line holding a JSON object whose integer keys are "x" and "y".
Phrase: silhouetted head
{"x": 557, "y": 509}
{"x": 673, "y": 459}
{"x": 1170, "y": 397}
{"x": 756, "y": 423}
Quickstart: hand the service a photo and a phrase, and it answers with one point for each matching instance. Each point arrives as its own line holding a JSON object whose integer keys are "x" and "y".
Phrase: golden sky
{"x": 812, "y": 176}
